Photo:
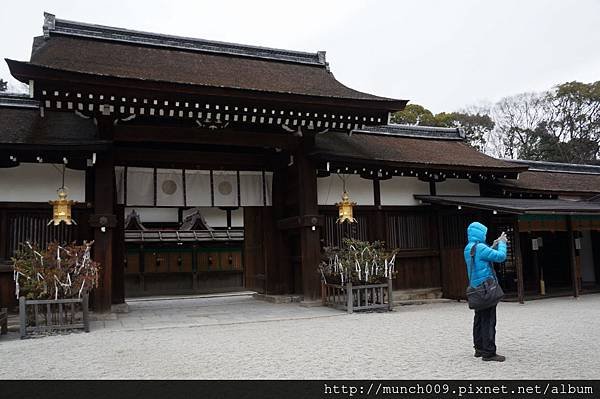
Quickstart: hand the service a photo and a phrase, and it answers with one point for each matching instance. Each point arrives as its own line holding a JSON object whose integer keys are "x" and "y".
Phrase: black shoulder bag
{"x": 486, "y": 294}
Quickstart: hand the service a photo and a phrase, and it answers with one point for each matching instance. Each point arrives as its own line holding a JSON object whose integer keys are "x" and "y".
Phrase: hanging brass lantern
{"x": 345, "y": 208}
{"x": 61, "y": 208}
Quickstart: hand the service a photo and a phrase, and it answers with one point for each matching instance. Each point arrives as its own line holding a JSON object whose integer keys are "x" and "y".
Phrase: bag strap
{"x": 473, "y": 251}
{"x": 491, "y": 265}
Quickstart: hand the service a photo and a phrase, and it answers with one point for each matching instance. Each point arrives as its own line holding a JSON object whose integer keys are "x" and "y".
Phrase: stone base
{"x": 119, "y": 308}
{"x": 277, "y": 298}
{"x": 312, "y": 303}
{"x": 421, "y": 301}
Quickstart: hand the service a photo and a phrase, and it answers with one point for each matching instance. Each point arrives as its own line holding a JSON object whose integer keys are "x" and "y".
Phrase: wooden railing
{"x": 48, "y": 315}
{"x": 352, "y": 298}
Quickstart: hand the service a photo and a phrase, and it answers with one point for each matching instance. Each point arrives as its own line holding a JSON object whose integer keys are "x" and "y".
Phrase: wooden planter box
{"x": 47, "y": 315}
{"x": 362, "y": 297}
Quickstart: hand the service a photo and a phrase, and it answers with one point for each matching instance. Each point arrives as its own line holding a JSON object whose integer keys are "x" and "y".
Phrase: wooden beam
{"x": 169, "y": 134}
{"x": 297, "y": 222}
{"x": 359, "y": 163}
{"x": 147, "y": 157}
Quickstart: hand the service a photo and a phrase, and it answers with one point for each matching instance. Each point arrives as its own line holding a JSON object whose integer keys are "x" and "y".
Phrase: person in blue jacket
{"x": 484, "y": 323}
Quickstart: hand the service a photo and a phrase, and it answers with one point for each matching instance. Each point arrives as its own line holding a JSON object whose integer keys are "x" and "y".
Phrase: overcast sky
{"x": 443, "y": 54}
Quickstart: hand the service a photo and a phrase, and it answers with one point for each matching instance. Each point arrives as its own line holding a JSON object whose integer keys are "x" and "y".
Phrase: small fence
{"x": 362, "y": 297}
{"x": 48, "y": 315}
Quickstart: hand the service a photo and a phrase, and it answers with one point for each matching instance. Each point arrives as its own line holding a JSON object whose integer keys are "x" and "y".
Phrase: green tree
{"x": 414, "y": 114}
{"x": 576, "y": 109}
{"x": 476, "y": 125}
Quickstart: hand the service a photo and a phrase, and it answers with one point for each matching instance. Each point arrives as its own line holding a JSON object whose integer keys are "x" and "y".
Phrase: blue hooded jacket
{"x": 484, "y": 254}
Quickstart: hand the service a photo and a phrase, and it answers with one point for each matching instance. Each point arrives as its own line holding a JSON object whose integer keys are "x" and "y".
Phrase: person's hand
{"x": 502, "y": 238}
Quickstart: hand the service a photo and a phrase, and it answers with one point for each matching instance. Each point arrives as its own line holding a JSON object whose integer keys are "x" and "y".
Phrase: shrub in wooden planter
{"x": 358, "y": 276}
{"x": 38, "y": 316}
{"x": 53, "y": 287}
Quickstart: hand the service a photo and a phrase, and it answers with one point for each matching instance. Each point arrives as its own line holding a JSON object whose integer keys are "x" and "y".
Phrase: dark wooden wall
{"x": 412, "y": 230}
{"x": 20, "y": 222}
{"x": 262, "y": 270}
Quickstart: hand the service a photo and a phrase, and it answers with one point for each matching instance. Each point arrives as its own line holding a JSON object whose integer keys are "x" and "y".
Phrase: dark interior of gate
{"x": 172, "y": 247}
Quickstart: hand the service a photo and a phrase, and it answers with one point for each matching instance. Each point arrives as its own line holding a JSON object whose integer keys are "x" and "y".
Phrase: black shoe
{"x": 495, "y": 358}
{"x": 478, "y": 353}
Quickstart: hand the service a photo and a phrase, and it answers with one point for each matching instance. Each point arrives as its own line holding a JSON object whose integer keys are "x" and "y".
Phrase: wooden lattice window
{"x": 335, "y": 232}
{"x": 410, "y": 231}
{"x": 33, "y": 227}
{"x": 454, "y": 230}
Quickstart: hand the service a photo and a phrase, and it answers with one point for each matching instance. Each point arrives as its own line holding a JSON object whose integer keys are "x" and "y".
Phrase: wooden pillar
{"x": 310, "y": 248}
{"x": 518, "y": 259}
{"x": 103, "y": 220}
{"x": 432, "y": 189}
{"x": 118, "y": 275}
{"x": 441, "y": 254}
{"x": 4, "y": 235}
{"x": 380, "y": 221}
{"x": 280, "y": 274}
{"x": 573, "y": 257}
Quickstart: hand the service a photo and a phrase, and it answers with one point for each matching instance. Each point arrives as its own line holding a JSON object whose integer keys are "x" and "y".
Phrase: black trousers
{"x": 484, "y": 331}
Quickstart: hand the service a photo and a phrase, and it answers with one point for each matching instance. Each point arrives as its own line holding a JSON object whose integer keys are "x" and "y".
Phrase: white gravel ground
{"x": 552, "y": 338}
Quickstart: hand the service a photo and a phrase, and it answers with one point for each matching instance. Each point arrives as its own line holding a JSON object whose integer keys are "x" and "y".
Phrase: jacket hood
{"x": 476, "y": 232}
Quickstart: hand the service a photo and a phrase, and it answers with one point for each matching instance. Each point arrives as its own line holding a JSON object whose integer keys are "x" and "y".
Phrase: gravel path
{"x": 552, "y": 338}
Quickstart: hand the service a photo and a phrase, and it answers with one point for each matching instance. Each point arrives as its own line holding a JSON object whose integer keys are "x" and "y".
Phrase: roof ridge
{"x": 53, "y": 25}
{"x": 427, "y": 132}
{"x": 557, "y": 167}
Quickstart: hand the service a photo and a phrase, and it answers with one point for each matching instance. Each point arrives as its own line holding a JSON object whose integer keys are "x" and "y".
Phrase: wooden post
{"x": 349, "y": 297}
{"x": 432, "y": 188}
{"x": 22, "y": 317}
{"x": 119, "y": 254}
{"x": 441, "y": 257}
{"x": 572, "y": 257}
{"x": 310, "y": 247}
{"x": 86, "y": 315}
{"x": 518, "y": 262}
{"x": 390, "y": 293}
{"x": 104, "y": 210}
{"x": 379, "y": 228}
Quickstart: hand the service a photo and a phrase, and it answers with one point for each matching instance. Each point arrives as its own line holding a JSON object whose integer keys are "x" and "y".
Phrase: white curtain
{"x": 225, "y": 188}
{"x": 169, "y": 187}
{"x": 140, "y": 186}
{"x": 120, "y": 183}
{"x": 251, "y": 189}
{"x": 197, "y": 188}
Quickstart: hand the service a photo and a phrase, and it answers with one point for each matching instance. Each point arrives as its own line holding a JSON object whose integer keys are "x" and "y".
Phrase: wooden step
{"x": 422, "y": 301}
{"x": 417, "y": 294}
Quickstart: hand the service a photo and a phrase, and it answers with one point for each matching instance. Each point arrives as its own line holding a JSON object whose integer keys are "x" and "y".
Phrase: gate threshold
{"x": 199, "y": 296}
